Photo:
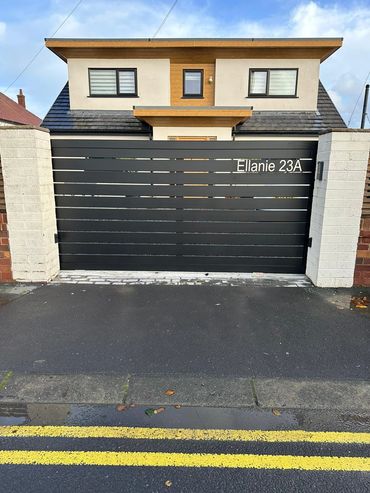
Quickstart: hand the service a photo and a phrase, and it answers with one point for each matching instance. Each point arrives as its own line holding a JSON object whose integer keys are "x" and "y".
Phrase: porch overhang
{"x": 193, "y": 116}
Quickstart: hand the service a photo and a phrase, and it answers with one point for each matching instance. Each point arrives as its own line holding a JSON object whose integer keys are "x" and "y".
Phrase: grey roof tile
{"x": 295, "y": 122}
{"x": 60, "y": 119}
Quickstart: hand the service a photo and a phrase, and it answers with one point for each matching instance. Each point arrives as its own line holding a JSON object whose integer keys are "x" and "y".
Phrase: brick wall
{"x": 362, "y": 271}
{"x": 5, "y": 263}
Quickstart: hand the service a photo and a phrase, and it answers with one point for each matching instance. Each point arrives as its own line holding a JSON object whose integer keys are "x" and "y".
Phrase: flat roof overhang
{"x": 192, "y": 116}
{"x": 320, "y": 48}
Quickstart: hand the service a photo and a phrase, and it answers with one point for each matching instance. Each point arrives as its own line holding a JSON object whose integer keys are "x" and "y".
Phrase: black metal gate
{"x": 193, "y": 206}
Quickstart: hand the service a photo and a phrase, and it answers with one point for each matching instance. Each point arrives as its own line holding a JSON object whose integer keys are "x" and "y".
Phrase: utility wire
{"x": 165, "y": 18}
{"x": 358, "y": 99}
{"x": 42, "y": 47}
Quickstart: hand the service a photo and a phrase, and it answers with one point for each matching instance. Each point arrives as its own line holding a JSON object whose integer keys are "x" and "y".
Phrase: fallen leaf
{"x": 170, "y": 392}
{"x": 121, "y": 407}
{"x": 360, "y": 302}
{"x": 151, "y": 411}
{"x": 159, "y": 410}
{"x": 168, "y": 483}
{"x": 276, "y": 412}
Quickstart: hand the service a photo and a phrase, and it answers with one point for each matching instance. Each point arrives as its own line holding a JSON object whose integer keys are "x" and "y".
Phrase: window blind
{"x": 258, "y": 82}
{"x": 103, "y": 82}
{"x": 193, "y": 83}
{"x": 282, "y": 82}
{"x": 126, "y": 80}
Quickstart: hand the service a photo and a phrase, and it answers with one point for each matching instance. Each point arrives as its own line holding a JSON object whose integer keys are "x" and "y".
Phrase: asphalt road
{"x": 61, "y": 456}
{"x": 205, "y": 330}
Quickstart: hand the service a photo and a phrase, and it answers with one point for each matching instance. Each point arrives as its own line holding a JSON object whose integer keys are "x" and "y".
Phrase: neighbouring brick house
{"x": 362, "y": 271}
{"x": 11, "y": 113}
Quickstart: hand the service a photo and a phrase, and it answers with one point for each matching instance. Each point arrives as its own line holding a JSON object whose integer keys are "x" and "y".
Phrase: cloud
{"x": 343, "y": 74}
{"x": 2, "y": 29}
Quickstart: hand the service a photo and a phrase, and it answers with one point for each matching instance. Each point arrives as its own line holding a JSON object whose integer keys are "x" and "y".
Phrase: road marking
{"x": 185, "y": 434}
{"x": 162, "y": 459}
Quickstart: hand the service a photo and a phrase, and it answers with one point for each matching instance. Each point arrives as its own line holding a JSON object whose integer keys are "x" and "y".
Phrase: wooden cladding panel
{"x": 176, "y": 74}
{"x": 366, "y": 204}
{"x": 201, "y": 55}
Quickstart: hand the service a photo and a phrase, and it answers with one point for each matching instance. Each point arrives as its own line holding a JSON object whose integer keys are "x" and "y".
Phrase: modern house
{"x": 188, "y": 154}
{"x": 15, "y": 113}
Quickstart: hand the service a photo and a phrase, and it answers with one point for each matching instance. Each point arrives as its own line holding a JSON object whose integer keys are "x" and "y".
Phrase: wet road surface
{"x": 65, "y": 448}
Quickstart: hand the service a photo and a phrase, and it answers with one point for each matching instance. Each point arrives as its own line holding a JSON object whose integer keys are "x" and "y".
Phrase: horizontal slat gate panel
{"x": 182, "y": 239}
{"x": 181, "y": 191}
{"x": 189, "y": 146}
{"x": 180, "y": 214}
{"x": 193, "y": 211}
{"x": 142, "y": 202}
{"x": 175, "y": 153}
{"x": 177, "y": 178}
{"x": 187, "y": 165}
{"x": 208, "y": 250}
{"x": 183, "y": 226}
{"x": 220, "y": 264}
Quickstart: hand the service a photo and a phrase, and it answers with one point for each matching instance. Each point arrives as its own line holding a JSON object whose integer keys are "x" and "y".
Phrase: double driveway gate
{"x": 193, "y": 206}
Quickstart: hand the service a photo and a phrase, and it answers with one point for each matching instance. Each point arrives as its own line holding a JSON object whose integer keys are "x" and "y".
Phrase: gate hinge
{"x": 56, "y": 238}
{"x": 309, "y": 243}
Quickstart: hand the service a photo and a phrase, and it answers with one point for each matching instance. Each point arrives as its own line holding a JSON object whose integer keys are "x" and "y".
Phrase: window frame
{"x": 193, "y": 96}
{"x": 266, "y": 94}
{"x": 118, "y": 94}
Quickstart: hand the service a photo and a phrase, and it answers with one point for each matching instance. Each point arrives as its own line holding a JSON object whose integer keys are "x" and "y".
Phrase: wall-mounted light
{"x": 210, "y": 79}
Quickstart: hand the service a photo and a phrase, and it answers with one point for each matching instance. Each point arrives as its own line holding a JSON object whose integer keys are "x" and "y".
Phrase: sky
{"x": 25, "y": 23}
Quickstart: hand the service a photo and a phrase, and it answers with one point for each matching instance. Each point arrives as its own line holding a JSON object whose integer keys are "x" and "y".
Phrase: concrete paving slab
{"x": 312, "y": 394}
{"x": 191, "y": 390}
{"x": 94, "y": 389}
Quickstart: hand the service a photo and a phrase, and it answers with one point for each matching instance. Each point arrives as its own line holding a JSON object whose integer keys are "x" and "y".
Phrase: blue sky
{"x": 24, "y": 24}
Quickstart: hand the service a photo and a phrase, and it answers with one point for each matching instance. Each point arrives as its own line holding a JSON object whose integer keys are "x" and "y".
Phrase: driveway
{"x": 246, "y": 331}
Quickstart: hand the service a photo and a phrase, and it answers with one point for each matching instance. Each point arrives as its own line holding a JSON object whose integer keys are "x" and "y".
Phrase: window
{"x": 278, "y": 83}
{"x": 193, "y": 84}
{"x": 120, "y": 82}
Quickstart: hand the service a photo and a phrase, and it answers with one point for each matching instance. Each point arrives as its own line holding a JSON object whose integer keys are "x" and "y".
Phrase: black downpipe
{"x": 364, "y": 109}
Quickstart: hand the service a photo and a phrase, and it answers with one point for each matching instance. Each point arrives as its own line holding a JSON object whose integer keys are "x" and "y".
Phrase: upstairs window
{"x": 193, "y": 83}
{"x": 120, "y": 82}
{"x": 278, "y": 83}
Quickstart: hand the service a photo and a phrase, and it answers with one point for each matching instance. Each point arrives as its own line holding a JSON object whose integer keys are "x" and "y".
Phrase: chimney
{"x": 21, "y": 98}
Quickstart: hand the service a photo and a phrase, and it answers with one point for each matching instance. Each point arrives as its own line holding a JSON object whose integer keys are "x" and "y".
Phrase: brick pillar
{"x": 362, "y": 271}
{"x": 336, "y": 207}
{"x": 29, "y": 195}
{"x": 5, "y": 265}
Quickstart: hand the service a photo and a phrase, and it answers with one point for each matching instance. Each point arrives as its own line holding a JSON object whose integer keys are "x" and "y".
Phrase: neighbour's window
{"x": 113, "y": 82}
{"x": 273, "y": 82}
{"x": 193, "y": 83}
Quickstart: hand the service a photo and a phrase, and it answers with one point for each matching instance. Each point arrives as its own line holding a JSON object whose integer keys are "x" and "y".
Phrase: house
{"x": 12, "y": 113}
{"x": 188, "y": 154}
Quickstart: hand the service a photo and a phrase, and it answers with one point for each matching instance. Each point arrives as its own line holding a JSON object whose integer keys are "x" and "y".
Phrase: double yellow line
{"x": 165, "y": 459}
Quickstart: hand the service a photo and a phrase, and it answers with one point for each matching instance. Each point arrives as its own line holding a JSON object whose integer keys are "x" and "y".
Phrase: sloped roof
{"x": 12, "y": 112}
{"x": 295, "y": 122}
{"x": 63, "y": 120}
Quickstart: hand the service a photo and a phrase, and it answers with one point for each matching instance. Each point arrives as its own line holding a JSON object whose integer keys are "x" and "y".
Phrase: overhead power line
{"x": 43, "y": 46}
{"x": 358, "y": 99}
{"x": 164, "y": 19}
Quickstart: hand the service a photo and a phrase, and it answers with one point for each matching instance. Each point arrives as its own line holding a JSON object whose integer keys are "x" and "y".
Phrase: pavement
{"x": 53, "y": 448}
{"x": 213, "y": 331}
